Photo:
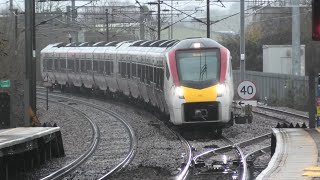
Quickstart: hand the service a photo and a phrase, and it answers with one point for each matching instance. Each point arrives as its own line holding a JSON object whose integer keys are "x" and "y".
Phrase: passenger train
{"x": 190, "y": 80}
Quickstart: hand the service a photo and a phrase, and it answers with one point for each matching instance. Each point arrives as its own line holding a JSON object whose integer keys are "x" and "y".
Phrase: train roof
{"x": 138, "y": 43}
{"x": 154, "y": 46}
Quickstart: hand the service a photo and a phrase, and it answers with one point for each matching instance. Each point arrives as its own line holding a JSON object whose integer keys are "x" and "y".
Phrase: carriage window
{"x": 70, "y": 65}
{"x": 50, "y": 64}
{"x": 139, "y": 71}
{"x": 156, "y": 76}
{"x": 161, "y": 78}
{"x": 134, "y": 69}
{"x": 95, "y": 66}
{"x": 123, "y": 69}
{"x": 167, "y": 71}
{"x": 111, "y": 66}
{"x": 119, "y": 67}
{"x": 107, "y": 67}
{"x": 147, "y": 75}
{"x": 151, "y": 73}
{"x": 62, "y": 64}
{"x": 88, "y": 65}
{"x": 77, "y": 65}
{"x": 128, "y": 70}
{"x": 56, "y": 64}
{"x": 101, "y": 67}
{"x": 83, "y": 66}
{"x": 44, "y": 65}
{"x": 143, "y": 73}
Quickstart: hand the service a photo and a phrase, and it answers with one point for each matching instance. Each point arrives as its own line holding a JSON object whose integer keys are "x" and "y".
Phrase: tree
{"x": 271, "y": 29}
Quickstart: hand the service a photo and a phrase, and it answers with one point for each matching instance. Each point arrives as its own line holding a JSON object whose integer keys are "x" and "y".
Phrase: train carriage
{"x": 99, "y": 68}
{"x": 47, "y": 62}
{"x": 73, "y": 68}
{"x": 110, "y": 55}
{"x": 190, "y": 80}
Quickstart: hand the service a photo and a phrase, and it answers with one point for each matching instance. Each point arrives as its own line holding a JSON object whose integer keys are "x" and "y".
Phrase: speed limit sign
{"x": 247, "y": 90}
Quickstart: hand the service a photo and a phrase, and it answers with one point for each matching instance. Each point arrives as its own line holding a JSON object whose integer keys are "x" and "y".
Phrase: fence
{"x": 280, "y": 89}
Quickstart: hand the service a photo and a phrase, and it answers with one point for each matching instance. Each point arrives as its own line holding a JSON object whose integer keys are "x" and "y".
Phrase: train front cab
{"x": 201, "y": 87}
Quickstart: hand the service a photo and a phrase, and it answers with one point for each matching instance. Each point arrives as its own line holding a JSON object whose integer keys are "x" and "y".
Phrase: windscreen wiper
{"x": 203, "y": 70}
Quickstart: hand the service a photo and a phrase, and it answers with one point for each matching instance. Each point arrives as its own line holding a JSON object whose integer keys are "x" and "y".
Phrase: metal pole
{"x": 141, "y": 24}
{"x": 242, "y": 42}
{"x": 73, "y": 15}
{"x": 318, "y": 101}
{"x": 11, "y": 5}
{"x": 208, "y": 18}
{"x": 296, "y": 70}
{"x": 28, "y": 60}
{"x": 171, "y": 27}
{"x": 34, "y": 62}
{"x": 159, "y": 20}
{"x": 47, "y": 98}
{"x": 312, "y": 95}
{"x": 16, "y": 32}
{"x": 107, "y": 25}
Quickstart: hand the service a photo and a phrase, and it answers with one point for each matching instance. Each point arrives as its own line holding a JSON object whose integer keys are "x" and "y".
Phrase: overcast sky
{"x": 187, "y": 4}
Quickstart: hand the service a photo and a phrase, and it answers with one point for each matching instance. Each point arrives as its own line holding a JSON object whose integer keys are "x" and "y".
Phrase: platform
{"x": 295, "y": 155}
{"x": 24, "y": 148}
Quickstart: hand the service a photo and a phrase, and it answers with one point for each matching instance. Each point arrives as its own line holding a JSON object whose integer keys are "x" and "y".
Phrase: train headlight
{"x": 179, "y": 92}
{"x": 221, "y": 89}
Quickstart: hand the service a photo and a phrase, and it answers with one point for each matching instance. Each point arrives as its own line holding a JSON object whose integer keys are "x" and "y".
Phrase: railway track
{"x": 236, "y": 160}
{"x": 193, "y": 167}
{"x": 184, "y": 168}
{"x": 281, "y": 116}
{"x": 226, "y": 162}
{"x": 278, "y": 114}
{"x": 116, "y": 133}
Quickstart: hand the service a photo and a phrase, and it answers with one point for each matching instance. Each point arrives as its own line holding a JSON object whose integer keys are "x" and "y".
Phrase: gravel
{"x": 158, "y": 149}
{"x": 160, "y": 153}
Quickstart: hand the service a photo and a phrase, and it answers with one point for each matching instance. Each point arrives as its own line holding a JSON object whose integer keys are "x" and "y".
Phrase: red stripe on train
{"x": 173, "y": 67}
{"x": 223, "y": 64}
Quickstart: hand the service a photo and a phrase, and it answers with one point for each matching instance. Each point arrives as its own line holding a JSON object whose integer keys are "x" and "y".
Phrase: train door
{"x": 86, "y": 67}
{"x": 158, "y": 78}
{"x": 142, "y": 77}
{"x": 110, "y": 69}
{"x": 122, "y": 61}
{"x": 98, "y": 69}
{"x": 133, "y": 80}
{"x": 77, "y": 81}
{"x": 150, "y": 59}
{"x": 71, "y": 67}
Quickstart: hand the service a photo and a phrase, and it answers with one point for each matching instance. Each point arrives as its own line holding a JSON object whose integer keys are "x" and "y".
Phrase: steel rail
{"x": 133, "y": 140}
{"x": 230, "y": 147}
{"x": 285, "y": 112}
{"x": 184, "y": 173}
{"x": 59, "y": 174}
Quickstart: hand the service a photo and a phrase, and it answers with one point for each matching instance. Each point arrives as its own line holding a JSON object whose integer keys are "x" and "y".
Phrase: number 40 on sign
{"x": 246, "y": 90}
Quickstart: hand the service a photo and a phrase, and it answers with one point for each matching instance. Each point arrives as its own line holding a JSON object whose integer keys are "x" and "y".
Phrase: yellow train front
{"x": 199, "y": 84}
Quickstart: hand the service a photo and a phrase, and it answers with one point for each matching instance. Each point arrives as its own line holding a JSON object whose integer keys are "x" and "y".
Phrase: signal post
{"x": 314, "y": 97}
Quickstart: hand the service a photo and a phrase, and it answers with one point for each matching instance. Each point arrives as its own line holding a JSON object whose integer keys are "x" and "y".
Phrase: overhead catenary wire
{"x": 50, "y": 19}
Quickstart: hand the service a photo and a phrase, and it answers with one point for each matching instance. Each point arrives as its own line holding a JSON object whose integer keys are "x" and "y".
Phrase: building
{"x": 278, "y": 59}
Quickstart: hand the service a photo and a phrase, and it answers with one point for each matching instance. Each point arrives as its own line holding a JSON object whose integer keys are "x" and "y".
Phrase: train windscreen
{"x": 198, "y": 68}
